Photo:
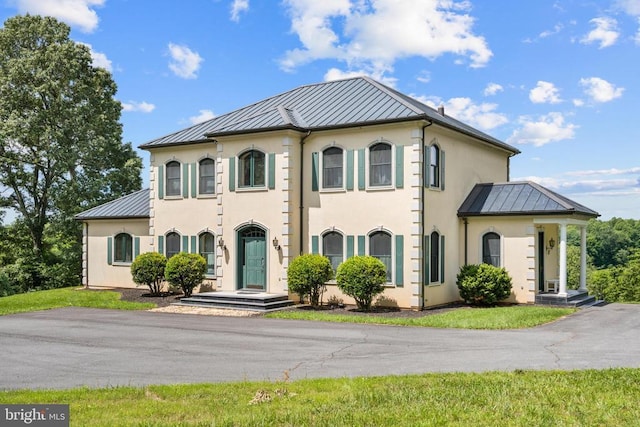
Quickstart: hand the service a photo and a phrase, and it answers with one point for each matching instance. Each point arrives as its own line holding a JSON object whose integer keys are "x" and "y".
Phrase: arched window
{"x": 207, "y": 247}
{"x": 173, "y": 244}
{"x": 252, "y": 169}
{"x": 434, "y": 166}
{"x": 332, "y": 248}
{"x": 380, "y": 247}
{"x": 434, "y": 265}
{"x": 173, "y": 178}
{"x": 207, "y": 176}
{"x": 332, "y": 166}
{"x": 491, "y": 249}
{"x": 380, "y": 164}
{"x": 123, "y": 251}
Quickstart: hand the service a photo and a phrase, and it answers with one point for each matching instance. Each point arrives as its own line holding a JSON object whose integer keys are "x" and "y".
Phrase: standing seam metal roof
{"x": 134, "y": 205}
{"x": 341, "y": 103}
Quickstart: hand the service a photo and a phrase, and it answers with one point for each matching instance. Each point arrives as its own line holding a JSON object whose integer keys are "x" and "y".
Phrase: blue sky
{"x": 559, "y": 80}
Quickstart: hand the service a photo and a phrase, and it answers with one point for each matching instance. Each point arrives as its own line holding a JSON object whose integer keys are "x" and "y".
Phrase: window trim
{"x": 167, "y": 189}
{"x": 435, "y": 169}
{"x": 200, "y": 252}
{"x": 130, "y": 248}
{"x": 166, "y": 243}
{"x": 391, "y": 273}
{"x": 200, "y": 177}
{"x": 321, "y": 167}
{"x": 392, "y": 166}
{"x": 240, "y": 174}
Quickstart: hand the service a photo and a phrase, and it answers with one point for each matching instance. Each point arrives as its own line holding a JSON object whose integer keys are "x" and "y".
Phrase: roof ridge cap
{"x": 393, "y": 93}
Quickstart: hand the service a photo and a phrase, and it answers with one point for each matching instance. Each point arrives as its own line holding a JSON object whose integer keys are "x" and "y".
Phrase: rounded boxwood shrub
{"x": 148, "y": 270}
{"x": 483, "y": 284}
{"x": 307, "y": 275}
{"x": 185, "y": 270}
{"x": 362, "y": 278}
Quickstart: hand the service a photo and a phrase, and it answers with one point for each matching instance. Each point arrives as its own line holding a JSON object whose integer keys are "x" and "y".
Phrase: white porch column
{"x": 583, "y": 258}
{"x": 563, "y": 260}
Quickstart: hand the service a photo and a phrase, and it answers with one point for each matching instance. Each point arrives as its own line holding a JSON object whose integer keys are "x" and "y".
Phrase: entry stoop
{"x": 239, "y": 300}
{"x": 574, "y": 298}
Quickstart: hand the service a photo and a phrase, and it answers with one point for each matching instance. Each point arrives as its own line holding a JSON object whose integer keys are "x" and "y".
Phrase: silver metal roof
{"x": 336, "y": 104}
{"x": 519, "y": 198}
{"x": 134, "y": 205}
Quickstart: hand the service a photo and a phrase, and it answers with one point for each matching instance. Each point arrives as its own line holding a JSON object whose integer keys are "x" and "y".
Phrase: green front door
{"x": 253, "y": 253}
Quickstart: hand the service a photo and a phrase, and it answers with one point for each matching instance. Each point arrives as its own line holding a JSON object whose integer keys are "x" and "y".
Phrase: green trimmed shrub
{"x": 483, "y": 284}
{"x": 185, "y": 270}
{"x": 362, "y": 278}
{"x": 148, "y": 270}
{"x": 307, "y": 275}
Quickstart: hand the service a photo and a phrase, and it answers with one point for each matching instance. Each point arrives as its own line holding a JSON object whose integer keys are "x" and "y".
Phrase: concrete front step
{"x": 240, "y": 300}
{"x": 572, "y": 299}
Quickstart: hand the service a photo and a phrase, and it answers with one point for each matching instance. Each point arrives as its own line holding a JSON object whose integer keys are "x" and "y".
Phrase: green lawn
{"x": 66, "y": 297}
{"x": 520, "y": 398}
{"x": 513, "y": 317}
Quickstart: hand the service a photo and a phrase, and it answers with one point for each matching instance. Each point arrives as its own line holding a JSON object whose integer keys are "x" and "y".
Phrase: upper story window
{"x": 332, "y": 248}
{"x": 207, "y": 248}
{"x": 173, "y": 178}
{"x": 207, "y": 176}
{"x": 123, "y": 250}
{"x": 380, "y": 165}
{"x": 173, "y": 244}
{"x": 380, "y": 247}
{"x": 332, "y": 167}
{"x": 252, "y": 169}
{"x": 491, "y": 249}
{"x": 434, "y": 166}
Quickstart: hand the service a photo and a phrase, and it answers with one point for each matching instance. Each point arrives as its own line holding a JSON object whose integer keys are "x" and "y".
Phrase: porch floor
{"x": 574, "y": 298}
{"x": 239, "y": 300}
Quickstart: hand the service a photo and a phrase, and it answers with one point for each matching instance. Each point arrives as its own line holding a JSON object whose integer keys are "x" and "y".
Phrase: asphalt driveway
{"x": 91, "y": 347}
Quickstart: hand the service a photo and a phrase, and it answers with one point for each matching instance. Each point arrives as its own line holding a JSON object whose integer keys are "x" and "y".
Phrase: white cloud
{"x": 492, "y": 89}
{"x": 481, "y": 116}
{"x": 202, "y": 117}
{"x": 600, "y": 90}
{"x": 578, "y": 102}
{"x": 337, "y": 74}
{"x": 556, "y": 29}
{"x": 548, "y": 128}
{"x": 142, "y": 107}
{"x": 374, "y": 34}
{"x": 610, "y": 172}
{"x": 237, "y": 7}
{"x": 185, "y": 62}
{"x": 544, "y": 93}
{"x": 631, "y": 7}
{"x": 99, "y": 59}
{"x": 605, "y": 32}
{"x": 76, "y": 13}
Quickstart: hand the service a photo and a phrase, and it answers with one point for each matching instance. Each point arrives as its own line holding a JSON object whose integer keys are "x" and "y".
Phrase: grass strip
{"x": 514, "y": 317}
{"x": 67, "y": 297}
{"x": 519, "y": 398}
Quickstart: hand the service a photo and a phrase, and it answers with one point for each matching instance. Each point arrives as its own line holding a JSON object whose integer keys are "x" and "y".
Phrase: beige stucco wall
{"x": 96, "y": 271}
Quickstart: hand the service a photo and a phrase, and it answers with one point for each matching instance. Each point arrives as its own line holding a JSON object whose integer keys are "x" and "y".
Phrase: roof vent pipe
{"x": 441, "y": 110}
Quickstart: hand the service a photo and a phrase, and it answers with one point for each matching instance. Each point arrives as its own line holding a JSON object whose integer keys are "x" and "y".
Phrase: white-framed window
{"x": 333, "y": 248}
{"x": 207, "y": 176}
{"x": 173, "y": 178}
{"x": 333, "y": 168}
{"x": 491, "y": 248}
{"x": 207, "y": 248}
{"x": 380, "y": 165}
{"x": 380, "y": 247}
{"x": 123, "y": 248}
{"x": 173, "y": 244}
{"x": 252, "y": 169}
{"x": 434, "y": 166}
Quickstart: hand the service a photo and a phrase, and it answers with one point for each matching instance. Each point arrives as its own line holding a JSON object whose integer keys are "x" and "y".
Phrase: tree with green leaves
{"x": 61, "y": 147}
{"x": 185, "y": 270}
{"x": 362, "y": 278}
{"x": 307, "y": 275}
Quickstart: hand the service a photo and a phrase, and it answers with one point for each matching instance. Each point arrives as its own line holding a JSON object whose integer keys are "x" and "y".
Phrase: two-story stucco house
{"x": 339, "y": 168}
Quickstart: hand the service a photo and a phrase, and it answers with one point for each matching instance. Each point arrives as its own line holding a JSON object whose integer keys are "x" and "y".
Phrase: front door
{"x": 252, "y": 257}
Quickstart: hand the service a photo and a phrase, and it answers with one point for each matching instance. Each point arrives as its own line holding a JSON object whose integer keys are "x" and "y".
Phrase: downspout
{"x": 422, "y": 220}
{"x": 301, "y": 241}
{"x": 466, "y": 239}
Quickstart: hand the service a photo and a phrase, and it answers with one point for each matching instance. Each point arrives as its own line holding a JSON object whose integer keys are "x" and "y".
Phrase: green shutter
{"x": 232, "y": 174}
{"x": 399, "y": 166}
{"x": 349, "y": 169}
{"x": 361, "y": 240}
{"x": 314, "y": 171}
{"x": 272, "y": 171}
{"x": 185, "y": 244}
{"x": 442, "y": 169}
{"x": 426, "y": 250}
{"x": 109, "y": 250}
{"x": 361, "y": 170}
{"x": 441, "y": 259}
{"x": 350, "y": 244}
{"x": 185, "y": 180}
{"x": 427, "y": 165}
{"x": 315, "y": 244}
{"x": 399, "y": 260}
{"x": 160, "y": 181}
{"x": 194, "y": 248}
{"x": 194, "y": 180}
{"x": 161, "y": 244}
{"x": 136, "y": 247}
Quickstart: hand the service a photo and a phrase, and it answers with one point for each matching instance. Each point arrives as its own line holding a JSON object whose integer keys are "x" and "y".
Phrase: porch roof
{"x": 519, "y": 198}
{"x": 134, "y": 205}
